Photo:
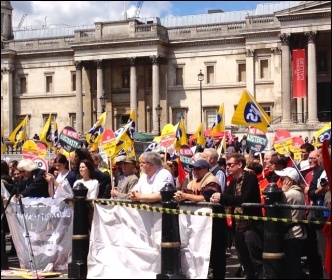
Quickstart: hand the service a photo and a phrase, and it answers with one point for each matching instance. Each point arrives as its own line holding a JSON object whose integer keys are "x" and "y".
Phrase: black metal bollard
{"x": 170, "y": 238}
{"x": 273, "y": 256}
{"x": 4, "y": 258}
{"x": 78, "y": 267}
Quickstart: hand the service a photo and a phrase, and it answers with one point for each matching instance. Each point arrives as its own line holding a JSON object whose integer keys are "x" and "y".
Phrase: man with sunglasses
{"x": 200, "y": 189}
{"x": 248, "y": 236}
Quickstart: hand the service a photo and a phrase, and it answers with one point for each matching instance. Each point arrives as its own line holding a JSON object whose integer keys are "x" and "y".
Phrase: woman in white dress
{"x": 87, "y": 172}
{"x": 56, "y": 184}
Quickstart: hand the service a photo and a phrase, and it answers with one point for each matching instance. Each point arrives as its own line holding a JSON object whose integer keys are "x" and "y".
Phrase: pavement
{"x": 232, "y": 266}
{"x": 13, "y": 262}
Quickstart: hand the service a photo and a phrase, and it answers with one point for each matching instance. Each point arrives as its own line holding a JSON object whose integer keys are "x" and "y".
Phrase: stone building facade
{"x": 140, "y": 63}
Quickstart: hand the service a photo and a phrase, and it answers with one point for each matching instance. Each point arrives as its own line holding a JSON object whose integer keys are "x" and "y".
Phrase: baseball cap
{"x": 120, "y": 159}
{"x": 304, "y": 165}
{"x": 289, "y": 172}
{"x": 201, "y": 163}
{"x": 130, "y": 160}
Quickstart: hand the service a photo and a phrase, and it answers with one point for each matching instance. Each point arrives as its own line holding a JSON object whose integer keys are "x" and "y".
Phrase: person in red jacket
{"x": 277, "y": 162}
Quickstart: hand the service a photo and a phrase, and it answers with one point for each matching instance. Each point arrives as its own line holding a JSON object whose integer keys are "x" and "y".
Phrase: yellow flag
{"x": 199, "y": 135}
{"x": 250, "y": 113}
{"x": 180, "y": 135}
{"x": 19, "y": 133}
{"x": 46, "y": 134}
{"x": 132, "y": 116}
{"x": 124, "y": 138}
{"x": 322, "y": 134}
{"x": 222, "y": 146}
{"x": 219, "y": 122}
{"x": 93, "y": 137}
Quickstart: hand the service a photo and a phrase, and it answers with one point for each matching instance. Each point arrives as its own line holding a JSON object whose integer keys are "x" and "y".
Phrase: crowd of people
{"x": 227, "y": 181}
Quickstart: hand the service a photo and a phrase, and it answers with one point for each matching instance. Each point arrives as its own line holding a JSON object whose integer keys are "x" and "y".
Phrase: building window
{"x": 49, "y": 83}
{"x": 23, "y": 85}
{"x": 322, "y": 62}
{"x": 242, "y": 75}
{"x": 210, "y": 74}
{"x": 267, "y": 109}
{"x": 122, "y": 120}
{"x": 125, "y": 79}
{"x": 179, "y": 76}
{"x": 178, "y": 114}
{"x": 264, "y": 69}
{"x": 73, "y": 81}
{"x": 72, "y": 120}
{"x": 210, "y": 117}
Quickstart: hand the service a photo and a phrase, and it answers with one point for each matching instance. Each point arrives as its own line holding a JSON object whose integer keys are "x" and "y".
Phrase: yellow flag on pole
{"x": 180, "y": 135}
{"x": 199, "y": 135}
{"x": 219, "y": 122}
{"x": 19, "y": 133}
{"x": 250, "y": 113}
{"x": 93, "y": 137}
{"x": 46, "y": 134}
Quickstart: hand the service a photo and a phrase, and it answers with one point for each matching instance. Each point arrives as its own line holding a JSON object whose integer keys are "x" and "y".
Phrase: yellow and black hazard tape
{"x": 146, "y": 207}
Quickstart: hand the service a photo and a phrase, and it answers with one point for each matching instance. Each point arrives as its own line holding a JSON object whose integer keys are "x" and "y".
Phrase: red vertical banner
{"x": 299, "y": 74}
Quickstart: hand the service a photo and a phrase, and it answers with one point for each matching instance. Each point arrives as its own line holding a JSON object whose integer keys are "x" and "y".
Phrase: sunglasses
{"x": 231, "y": 164}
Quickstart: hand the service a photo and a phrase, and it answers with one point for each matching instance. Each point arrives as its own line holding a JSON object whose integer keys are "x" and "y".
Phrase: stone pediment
{"x": 306, "y": 9}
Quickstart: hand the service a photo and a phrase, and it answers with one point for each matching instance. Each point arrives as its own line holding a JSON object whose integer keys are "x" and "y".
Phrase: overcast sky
{"x": 78, "y": 13}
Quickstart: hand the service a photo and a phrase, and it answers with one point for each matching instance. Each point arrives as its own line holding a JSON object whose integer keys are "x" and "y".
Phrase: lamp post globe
{"x": 158, "y": 112}
{"x": 103, "y": 100}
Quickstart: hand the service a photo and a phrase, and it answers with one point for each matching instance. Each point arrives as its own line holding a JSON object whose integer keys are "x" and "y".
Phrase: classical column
{"x": 277, "y": 79}
{"x": 79, "y": 97}
{"x": 100, "y": 86}
{"x": 312, "y": 79}
{"x": 7, "y": 95}
{"x": 133, "y": 87}
{"x": 155, "y": 92}
{"x": 286, "y": 93}
{"x": 250, "y": 72}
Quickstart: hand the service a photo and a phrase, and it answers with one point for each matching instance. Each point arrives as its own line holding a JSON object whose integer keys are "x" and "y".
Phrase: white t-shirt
{"x": 60, "y": 178}
{"x": 155, "y": 183}
{"x": 92, "y": 185}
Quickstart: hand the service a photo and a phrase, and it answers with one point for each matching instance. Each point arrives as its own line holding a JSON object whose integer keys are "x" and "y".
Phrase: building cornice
{"x": 303, "y": 16}
{"x": 46, "y": 53}
{"x": 191, "y": 43}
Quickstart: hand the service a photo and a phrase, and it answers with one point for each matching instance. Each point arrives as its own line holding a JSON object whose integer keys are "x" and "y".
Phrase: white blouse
{"x": 92, "y": 185}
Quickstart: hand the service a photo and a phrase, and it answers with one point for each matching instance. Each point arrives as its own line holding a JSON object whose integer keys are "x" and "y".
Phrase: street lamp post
{"x": 158, "y": 112}
{"x": 200, "y": 79}
{"x": 103, "y": 100}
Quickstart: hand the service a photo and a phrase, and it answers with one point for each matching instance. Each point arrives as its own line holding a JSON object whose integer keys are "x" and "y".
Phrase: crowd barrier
{"x": 117, "y": 239}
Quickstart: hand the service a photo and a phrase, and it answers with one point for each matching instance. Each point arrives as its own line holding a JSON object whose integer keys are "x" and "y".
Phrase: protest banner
{"x": 69, "y": 139}
{"x": 125, "y": 242}
{"x": 29, "y": 149}
{"x": 108, "y": 142}
{"x": 49, "y": 224}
